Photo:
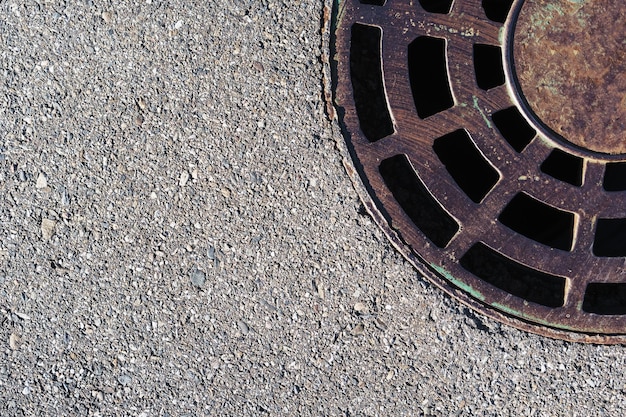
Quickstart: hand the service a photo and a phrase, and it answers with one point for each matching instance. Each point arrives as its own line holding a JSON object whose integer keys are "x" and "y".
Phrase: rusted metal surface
{"x": 493, "y": 207}
{"x": 570, "y": 60}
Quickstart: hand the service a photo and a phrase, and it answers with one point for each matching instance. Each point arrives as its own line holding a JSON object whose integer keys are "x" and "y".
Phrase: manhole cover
{"x": 490, "y": 138}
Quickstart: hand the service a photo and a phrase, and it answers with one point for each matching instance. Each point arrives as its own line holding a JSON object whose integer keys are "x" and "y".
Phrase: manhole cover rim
{"x": 436, "y": 274}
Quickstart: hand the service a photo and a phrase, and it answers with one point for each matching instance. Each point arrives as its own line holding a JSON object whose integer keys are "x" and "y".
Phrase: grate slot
{"x": 428, "y": 74}
{"x": 605, "y": 299}
{"x": 466, "y": 164}
{"x": 540, "y": 222}
{"x": 610, "y": 238}
{"x": 488, "y": 66}
{"x": 510, "y": 276}
{"x": 564, "y": 166}
{"x": 416, "y": 201}
{"x": 514, "y": 128}
{"x": 366, "y": 70}
{"x": 436, "y": 6}
{"x": 497, "y": 10}
{"x": 615, "y": 176}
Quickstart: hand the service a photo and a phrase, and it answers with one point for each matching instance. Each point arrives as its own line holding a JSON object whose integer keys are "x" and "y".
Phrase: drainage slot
{"x": 513, "y": 277}
{"x": 428, "y": 73}
{"x": 539, "y": 221}
{"x": 615, "y": 176}
{"x": 610, "y": 239}
{"x": 513, "y": 127}
{"x": 437, "y": 6}
{"x": 374, "y": 2}
{"x": 466, "y": 164}
{"x": 488, "y": 66}
{"x": 416, "y": 201}
{"x": 497, "y": 10}
{"x": 605, "y": 299}
{"x": 565, "y": 167}
{"x": 366, "y": 71}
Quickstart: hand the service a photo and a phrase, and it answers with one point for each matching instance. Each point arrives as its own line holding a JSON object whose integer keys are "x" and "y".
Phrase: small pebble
{"x": 198, "y": 278}
{"x": 65, "y": 198}
{"x": 184, "y": 177}
{"x": 47, "y": 228}
{"x": 124, "y": 379}
{"x": 42, "y": 182}
{"x": 380, "y": 325}
{"x": 358, "y": 330}
{"x": 14, "y": 341}
{"x": 107, "y": 17}
{"x": 243, "y": 327}
{"x": 141, "y": 103}
{"x": 320, "y": 289}
{"x": 258, "y": 66}
{"x": 23, "y": 316}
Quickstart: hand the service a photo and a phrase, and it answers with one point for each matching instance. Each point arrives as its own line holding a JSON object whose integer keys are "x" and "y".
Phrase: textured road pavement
{"x": 179, "y": 237}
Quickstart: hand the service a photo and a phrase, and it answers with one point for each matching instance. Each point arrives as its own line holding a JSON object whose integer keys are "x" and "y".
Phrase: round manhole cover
{"x": 490, "y": 138}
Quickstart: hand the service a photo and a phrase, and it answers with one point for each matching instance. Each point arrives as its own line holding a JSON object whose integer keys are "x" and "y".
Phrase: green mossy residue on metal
{"x": 506, "y": 309}
{"x": 341, "y": 9}
{"x": 530, "y": 317}
{"x": 482, "y": 113}
{"x": 447, "y": 275}
{"x": 501, "y": 35}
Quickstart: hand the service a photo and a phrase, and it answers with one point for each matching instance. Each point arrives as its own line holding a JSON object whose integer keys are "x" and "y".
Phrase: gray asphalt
{"x": 179, "y": 237}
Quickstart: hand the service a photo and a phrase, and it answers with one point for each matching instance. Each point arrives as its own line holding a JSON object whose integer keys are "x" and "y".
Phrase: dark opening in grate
{"x": 428, "y": 73}
{"x": 610, "y": 239}
{"x": 497, "y": 10}
{"x": 416, "y": 201}
{"x": 436, "y": 6}
{"x": 615, "y": 176}
{"x": 513, "y": 277}
{"x": 513, "y": 127}
{"x": 488, "y": 66}
{"x": 564, "y": 166}
{"x": 466, "y": 164}
{"x": 605, "y": 298}
{"x": 366, "y": 71}
{"x": 539, "y": 221}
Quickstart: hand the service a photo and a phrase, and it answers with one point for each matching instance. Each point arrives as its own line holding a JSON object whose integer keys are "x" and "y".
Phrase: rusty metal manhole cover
{"x": 490, "y": 138}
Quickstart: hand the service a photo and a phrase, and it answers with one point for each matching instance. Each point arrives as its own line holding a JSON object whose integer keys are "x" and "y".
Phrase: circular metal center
{"x": 569, "y": 57}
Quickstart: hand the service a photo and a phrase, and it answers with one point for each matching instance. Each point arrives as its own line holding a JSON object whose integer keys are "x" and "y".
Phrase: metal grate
{"x": 504, "y": 202}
